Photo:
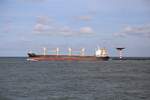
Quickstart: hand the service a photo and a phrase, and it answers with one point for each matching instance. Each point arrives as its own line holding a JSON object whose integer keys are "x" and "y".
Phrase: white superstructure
{"x": 101, "y": 52}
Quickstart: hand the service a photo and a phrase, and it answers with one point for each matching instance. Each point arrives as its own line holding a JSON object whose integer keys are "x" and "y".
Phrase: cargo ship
{"x": 100, "y": 55}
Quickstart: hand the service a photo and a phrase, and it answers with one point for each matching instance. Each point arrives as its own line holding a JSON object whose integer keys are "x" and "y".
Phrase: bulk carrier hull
{"x": 34, "y": 57}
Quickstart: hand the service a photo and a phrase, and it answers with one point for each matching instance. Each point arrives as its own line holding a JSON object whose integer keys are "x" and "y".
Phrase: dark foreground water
{"x": 104, "y": 80}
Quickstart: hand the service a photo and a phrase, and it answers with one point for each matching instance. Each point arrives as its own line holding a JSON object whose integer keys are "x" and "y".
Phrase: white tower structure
{"x": 57, "y": 51}
{"x": 44, "y": 51}
{"x": 82, "y": 51}
{"x": 70, "y": 51}
{"x": 120, "y": 52}
{"x": 98, "y": 52}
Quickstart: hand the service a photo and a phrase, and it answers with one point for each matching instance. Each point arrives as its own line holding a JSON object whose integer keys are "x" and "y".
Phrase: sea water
{"x": 74, "y": 80}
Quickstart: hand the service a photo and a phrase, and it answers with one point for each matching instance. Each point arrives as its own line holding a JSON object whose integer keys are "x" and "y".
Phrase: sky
{"x": 33, "y": 24}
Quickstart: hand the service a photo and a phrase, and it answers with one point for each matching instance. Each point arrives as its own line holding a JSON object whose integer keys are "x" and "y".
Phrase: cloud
{"x": 66, "y": 31}
{"x": 87, "y": 30}
{"x": 84, "y": 18}
{"x": 143, "y": 30}
{"x": 44, "y": 26}
{"x": 41, "y": 28}
{"x": 43, "y": 19}
{"x": 7, "y": 26}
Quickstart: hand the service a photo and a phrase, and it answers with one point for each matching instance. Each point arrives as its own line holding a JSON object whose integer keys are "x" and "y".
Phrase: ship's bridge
{"x": 101, "y": 52}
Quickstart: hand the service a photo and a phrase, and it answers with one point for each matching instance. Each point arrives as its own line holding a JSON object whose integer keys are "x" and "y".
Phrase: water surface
{"x": 72, "y": 80}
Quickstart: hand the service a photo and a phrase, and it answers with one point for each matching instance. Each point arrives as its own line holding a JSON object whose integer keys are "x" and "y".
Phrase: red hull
{"x": 66, "y": 58}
